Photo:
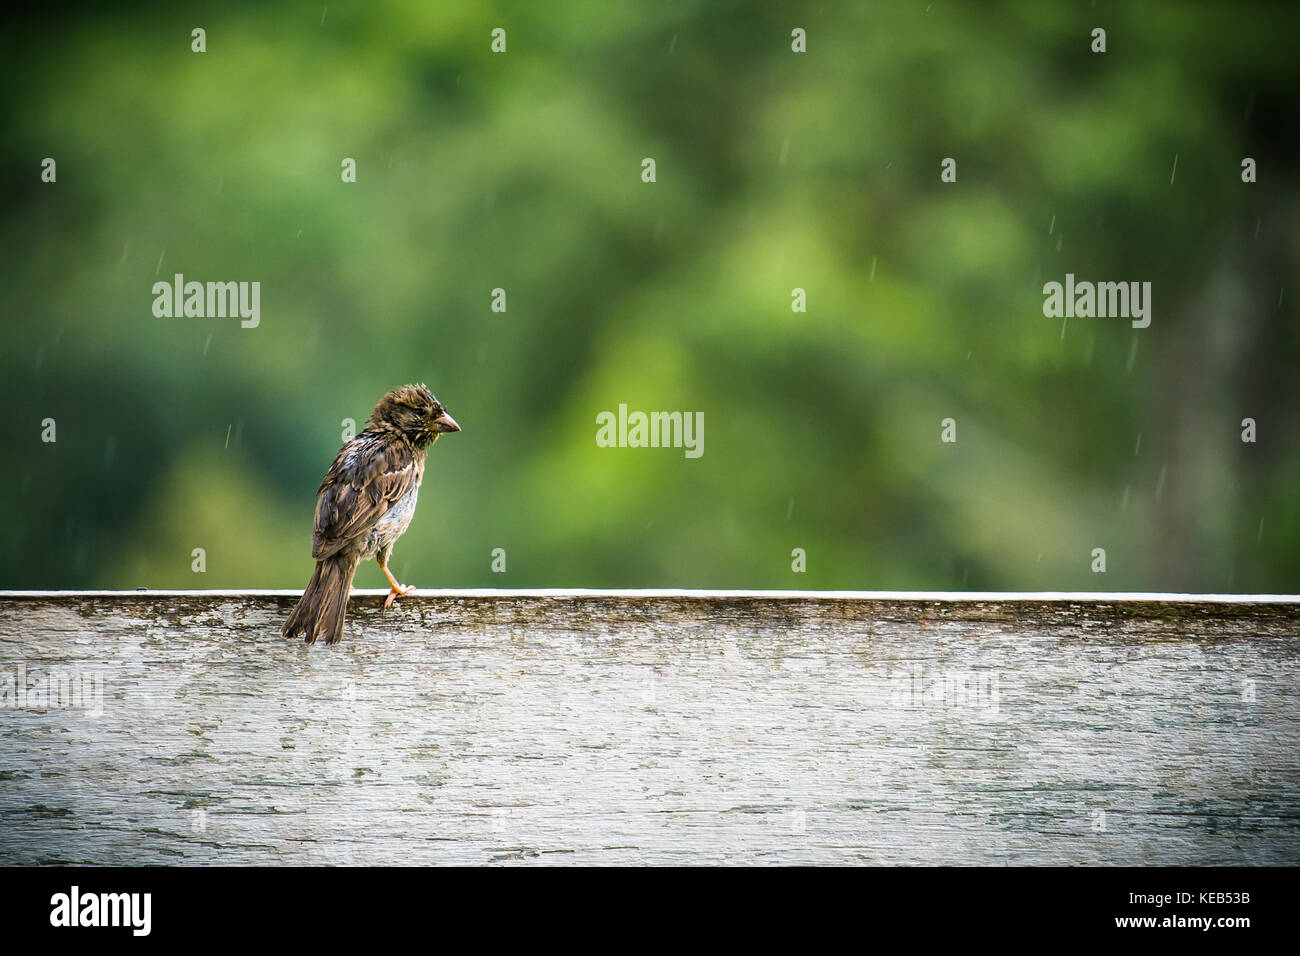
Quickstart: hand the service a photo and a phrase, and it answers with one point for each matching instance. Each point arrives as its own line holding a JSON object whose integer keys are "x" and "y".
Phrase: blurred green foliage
{"x": 775, "y": 170}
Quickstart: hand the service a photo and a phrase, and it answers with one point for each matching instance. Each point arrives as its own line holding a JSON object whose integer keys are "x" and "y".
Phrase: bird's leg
{"x": 397, "y": 589}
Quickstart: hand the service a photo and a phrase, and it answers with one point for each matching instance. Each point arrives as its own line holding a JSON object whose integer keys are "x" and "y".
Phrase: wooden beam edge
{"x": 561, "y": 594}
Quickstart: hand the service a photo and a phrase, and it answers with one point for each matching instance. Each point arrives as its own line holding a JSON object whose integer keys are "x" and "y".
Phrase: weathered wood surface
{"x": 652, "y": 727}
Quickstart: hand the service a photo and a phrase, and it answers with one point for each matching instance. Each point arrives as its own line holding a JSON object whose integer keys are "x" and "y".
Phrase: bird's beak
{"x": 445, "y": 423}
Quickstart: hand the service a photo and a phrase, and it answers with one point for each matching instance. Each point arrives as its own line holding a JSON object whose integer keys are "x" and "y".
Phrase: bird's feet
{"x": 397, "y": 591}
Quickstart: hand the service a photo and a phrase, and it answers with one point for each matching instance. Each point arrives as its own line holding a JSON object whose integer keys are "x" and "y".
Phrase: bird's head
{"x": 413, "y": 411}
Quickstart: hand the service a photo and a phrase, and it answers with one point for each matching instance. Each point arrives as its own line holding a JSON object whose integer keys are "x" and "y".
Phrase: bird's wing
{"x": 368, "y": 477}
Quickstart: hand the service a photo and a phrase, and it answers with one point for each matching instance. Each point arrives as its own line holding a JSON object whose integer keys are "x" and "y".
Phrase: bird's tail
{"x": 324, "y": 605}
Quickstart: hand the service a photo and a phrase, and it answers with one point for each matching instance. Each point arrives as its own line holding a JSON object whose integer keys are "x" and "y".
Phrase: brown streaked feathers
{"x": 364, "y": 504}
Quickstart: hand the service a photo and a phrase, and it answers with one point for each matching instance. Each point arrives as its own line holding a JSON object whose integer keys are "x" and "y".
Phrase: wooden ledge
{"x": 618, "y": 727}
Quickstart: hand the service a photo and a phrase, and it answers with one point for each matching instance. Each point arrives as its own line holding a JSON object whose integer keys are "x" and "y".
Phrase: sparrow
{"x": 363, "y": 505}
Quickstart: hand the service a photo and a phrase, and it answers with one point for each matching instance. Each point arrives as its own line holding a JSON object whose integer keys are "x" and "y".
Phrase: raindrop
{"x": 158, "y": 268}
{"x": 1160, "y": 482}
{"x": 1174, "y": 171}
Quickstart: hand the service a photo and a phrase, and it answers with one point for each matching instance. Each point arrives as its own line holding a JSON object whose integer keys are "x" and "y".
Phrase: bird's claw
{"x": 395, "y": 593}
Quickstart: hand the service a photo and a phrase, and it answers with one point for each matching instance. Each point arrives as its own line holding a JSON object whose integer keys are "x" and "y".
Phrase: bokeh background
{"x": 775, "y": 170}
